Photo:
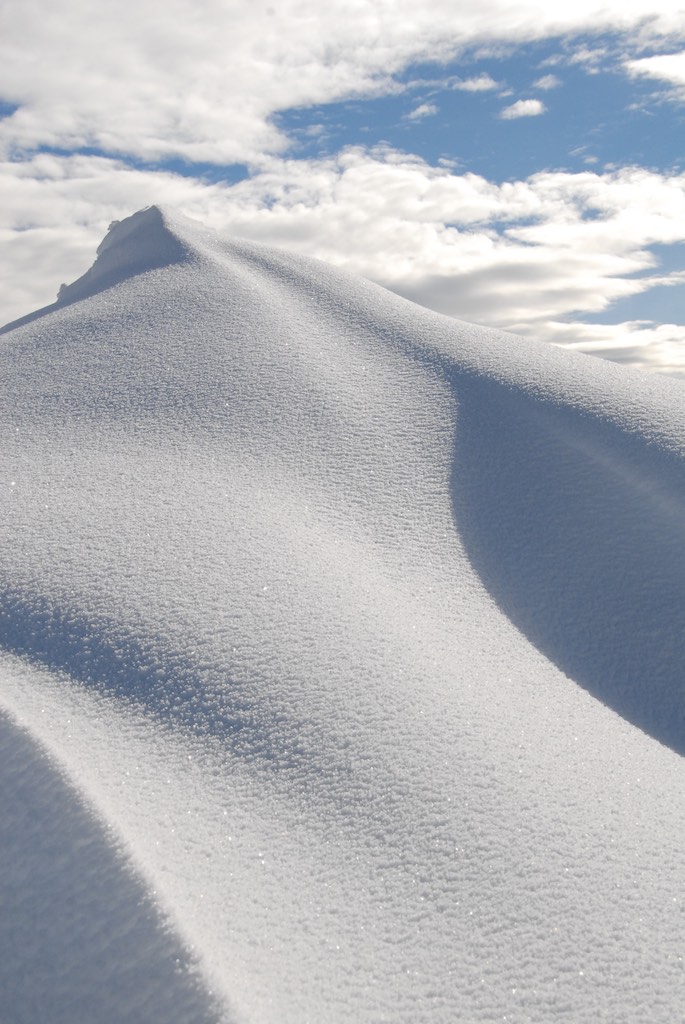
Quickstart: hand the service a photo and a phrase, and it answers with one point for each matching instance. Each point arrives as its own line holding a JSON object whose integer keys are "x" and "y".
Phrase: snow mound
{"x": 360, "y": 631}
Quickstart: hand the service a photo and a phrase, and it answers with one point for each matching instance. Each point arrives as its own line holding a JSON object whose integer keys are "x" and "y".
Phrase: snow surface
{"x": 343, "y": 645}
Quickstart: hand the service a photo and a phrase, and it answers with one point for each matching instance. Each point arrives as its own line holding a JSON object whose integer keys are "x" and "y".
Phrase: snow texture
{"x": 342, "y": 657}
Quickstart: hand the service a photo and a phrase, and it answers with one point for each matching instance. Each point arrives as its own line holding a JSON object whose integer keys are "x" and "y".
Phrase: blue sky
{"x": 511, "y": 165}
{"x": 594, "y": 114}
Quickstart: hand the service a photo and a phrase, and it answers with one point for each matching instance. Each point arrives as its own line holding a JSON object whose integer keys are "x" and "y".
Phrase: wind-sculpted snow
{"x": 578, "y": 529}
{"x": 358, "y": 631}
{"x": 80, "y": 938}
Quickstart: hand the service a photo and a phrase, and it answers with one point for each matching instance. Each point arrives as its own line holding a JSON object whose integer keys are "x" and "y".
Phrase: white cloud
{"x": 202, "y": 79}
{"x": 481, "y": 83}
{"x": 422, "y": 111}
{"x": 585, "y": 155}
{"x": 591, "y": 57}
{"x": 523, "y": 108}
{"x": 547, "y": 82}
{"x": 667, "y": 67}
{"x": 640, "y": 344}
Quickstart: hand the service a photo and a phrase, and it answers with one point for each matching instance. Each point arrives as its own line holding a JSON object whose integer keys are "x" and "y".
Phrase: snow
{"x": 342, "y": 656}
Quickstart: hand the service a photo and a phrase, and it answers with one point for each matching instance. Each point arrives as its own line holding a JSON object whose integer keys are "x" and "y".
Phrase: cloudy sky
{"x": 519, "y": 164}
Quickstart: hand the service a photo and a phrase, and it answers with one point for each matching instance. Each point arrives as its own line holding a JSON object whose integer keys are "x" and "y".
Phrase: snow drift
{"x": 343, "y": 656}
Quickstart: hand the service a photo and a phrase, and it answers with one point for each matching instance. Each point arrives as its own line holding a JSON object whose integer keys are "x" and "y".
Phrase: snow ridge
{"x": 307, "y": 590}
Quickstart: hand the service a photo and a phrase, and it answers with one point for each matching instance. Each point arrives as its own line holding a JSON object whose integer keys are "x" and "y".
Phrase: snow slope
{"x": 342, "y": 671}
